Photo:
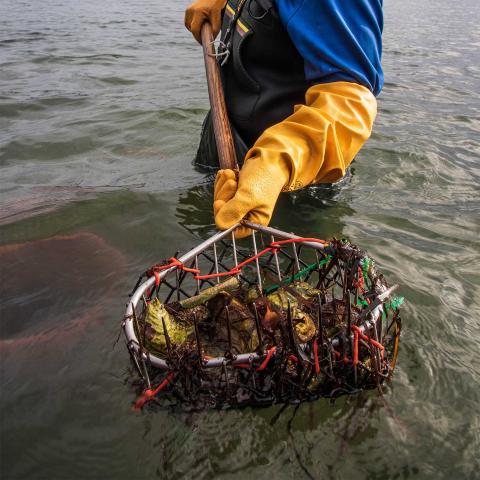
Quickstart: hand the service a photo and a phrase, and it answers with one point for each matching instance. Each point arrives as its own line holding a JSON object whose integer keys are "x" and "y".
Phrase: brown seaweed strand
{"x": 257, "y": 326}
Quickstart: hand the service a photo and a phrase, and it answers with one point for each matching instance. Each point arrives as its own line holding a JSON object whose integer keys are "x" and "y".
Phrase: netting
{"x": 271, "y": 319}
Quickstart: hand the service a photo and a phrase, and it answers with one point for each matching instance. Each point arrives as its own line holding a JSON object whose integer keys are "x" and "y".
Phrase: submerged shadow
{"x": 53, "y": 288}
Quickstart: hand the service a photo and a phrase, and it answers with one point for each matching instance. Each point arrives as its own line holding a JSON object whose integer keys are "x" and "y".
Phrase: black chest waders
{"x": 262, "y": 75}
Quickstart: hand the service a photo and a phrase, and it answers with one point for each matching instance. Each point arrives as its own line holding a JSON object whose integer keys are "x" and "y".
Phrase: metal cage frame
{"x": 372, "y": 314}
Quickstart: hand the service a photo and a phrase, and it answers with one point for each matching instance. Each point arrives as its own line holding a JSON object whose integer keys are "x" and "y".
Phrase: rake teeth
{"x": 211, "y": 361}
{"x": 320, "y": 321}
{"x": 168, "y": 343}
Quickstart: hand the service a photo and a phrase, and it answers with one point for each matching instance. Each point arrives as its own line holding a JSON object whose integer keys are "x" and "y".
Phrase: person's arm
{"x": 340, "y": 41}
{"x": 313, "y": 145}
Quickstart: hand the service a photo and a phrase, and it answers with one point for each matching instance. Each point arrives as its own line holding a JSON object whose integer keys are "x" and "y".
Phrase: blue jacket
{"x": 340, "y": 40}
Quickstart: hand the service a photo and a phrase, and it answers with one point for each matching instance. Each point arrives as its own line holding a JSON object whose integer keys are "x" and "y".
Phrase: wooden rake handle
{"x": 221, "y": 124}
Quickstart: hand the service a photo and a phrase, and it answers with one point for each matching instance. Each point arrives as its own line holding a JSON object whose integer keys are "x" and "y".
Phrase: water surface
{"x": 101, "y": 105}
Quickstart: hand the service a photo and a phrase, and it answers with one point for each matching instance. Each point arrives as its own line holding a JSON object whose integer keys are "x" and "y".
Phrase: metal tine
{"x": 235, "y": 258}
{"x": 141, "y": 343}
{"x": 318, "y": 262}
{"x": 349, "y": 323}
{"x": 259, "y": 330}
{"x": 277, "y": 263}
{"x": 349, "y": 312}
{"x": 345, "y": 283}
{"x": 133, "y": 356}
{"x": 167, "y": 337}
{"x": 212, "y": 261}
{"x": 320, "y": 320}
{"x": 377, "y": 352}
{"x": 229, "y": 332}
{"x": 299, "y": 253}
{"x": 291, "y": 336}
{"x": 197, "y": 338}
{"x": 215, "y": 258}
{"x": 137, "y": 324}
{"x": 198, "y": 281}
{"x": 374, "y": 358}
{"x": 182, "y": 276}
{"x": 322, "y": 277}
{"x": 257, "y": 263}
{"x": 297, "y": 263}
{"x": 320, "y": 282}
{"x": 177, "y": 285}
{"x": 144, "y": 301}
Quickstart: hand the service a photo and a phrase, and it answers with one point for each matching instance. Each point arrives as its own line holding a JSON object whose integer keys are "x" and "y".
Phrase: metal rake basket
{"x": 354, "y": 344}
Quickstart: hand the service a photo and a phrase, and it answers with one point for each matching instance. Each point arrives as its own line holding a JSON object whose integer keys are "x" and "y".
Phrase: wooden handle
{"x": 221, "y": 124}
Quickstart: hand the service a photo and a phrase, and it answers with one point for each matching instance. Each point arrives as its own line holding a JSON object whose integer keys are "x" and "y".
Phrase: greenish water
{"x": 101, "y": 105}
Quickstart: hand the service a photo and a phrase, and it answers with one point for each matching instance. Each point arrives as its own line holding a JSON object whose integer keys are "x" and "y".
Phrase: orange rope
{"x": 149, "y": 394}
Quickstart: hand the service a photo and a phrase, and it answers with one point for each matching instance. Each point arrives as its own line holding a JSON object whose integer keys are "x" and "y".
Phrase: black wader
{"x": 263, "y": 76}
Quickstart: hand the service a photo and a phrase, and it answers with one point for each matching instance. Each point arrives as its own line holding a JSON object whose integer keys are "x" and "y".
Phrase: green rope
{"x": 365, "y": 267}
{"x": 395, "y": 303}
{"x": 298, "y": 275}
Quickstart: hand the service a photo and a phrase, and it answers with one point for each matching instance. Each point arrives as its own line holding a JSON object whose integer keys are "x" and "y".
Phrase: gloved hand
{"x": 253, "y": 196}
{"x": 315, "y": 144}
{"x": 204, "y": 10}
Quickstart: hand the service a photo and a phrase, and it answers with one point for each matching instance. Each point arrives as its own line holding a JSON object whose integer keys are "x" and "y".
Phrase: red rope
{"x": 368, "y": 339}
{"x": 177, "y": 263}
{"x": 345, "y": 359}
{"x": 264, "y": 364}
{"x": 273, "y": 248}
{"x": 173, "y": 262}
{"x": 149, "y": 394}
{"x": 233, "y": 271}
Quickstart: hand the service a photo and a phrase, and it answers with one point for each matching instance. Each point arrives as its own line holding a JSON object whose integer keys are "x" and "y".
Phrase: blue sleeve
{"x": 340, "y": 40}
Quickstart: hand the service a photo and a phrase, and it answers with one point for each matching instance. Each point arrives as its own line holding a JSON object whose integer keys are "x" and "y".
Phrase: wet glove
{"x": 315, "y": 144}
{"x": 253, "y": 196}
{"x": 204, "y": 10}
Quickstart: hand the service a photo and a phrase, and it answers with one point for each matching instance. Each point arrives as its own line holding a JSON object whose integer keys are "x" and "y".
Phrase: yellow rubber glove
{"x": 315, "y": 144}
{"x": 204, "y": 10}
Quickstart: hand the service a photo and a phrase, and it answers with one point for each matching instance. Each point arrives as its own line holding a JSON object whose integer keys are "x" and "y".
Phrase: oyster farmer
{"x": 300, "y": 80}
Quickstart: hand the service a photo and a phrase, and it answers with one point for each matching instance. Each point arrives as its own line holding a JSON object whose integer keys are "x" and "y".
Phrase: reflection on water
{"x": 101, "y": 106}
